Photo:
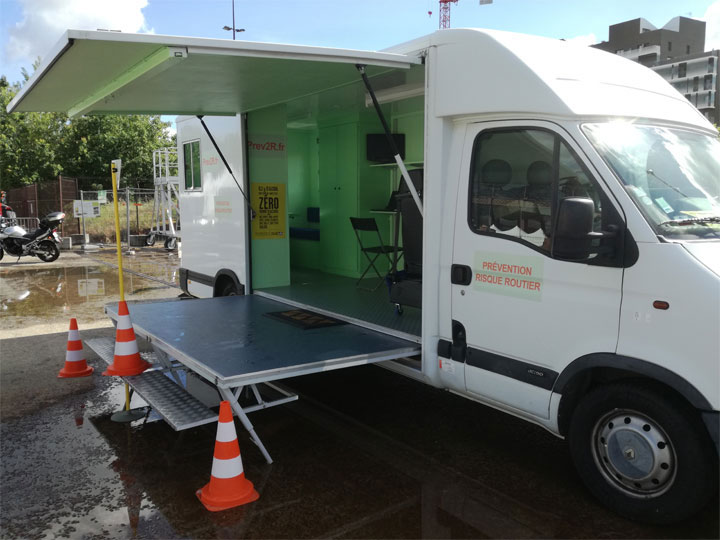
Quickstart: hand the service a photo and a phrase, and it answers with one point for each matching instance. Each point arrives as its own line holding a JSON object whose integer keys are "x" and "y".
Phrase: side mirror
{"x": 573, "y": 232}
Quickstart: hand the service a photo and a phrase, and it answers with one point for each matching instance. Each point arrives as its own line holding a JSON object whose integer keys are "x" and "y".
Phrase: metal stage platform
{"x": 238, "y": 341}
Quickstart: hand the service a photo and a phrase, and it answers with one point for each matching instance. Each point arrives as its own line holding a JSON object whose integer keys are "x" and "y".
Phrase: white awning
{"x": 116, "y": 73}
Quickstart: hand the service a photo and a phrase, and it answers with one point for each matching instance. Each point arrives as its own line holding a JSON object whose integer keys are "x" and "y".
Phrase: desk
{"x": 395, "y": 232}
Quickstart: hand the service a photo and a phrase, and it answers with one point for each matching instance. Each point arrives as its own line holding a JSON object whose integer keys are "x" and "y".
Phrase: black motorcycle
{"x": 43, "y": 241}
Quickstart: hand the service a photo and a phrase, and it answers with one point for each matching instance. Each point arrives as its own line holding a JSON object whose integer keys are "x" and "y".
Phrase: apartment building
{"x": 677, "y": 53}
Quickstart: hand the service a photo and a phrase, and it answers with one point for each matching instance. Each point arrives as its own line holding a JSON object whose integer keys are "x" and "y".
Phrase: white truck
{"x": 550, "y": 216}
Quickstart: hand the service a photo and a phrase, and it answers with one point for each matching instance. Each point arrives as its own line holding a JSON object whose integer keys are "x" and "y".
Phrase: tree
{"x": 91, "y": 142}
{"x": 28, "y": 142}
{"x": 39, "y": 146}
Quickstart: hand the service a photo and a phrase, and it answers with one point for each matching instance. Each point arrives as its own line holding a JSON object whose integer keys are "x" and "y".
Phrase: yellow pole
{"x": 113, "y": 171}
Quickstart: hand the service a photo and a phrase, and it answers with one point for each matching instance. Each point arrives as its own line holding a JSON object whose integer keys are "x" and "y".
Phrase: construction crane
{"x": 445, "y": 11}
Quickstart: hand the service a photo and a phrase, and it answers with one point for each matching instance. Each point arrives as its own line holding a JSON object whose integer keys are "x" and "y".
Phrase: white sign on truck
{"x": 562, "y": 266}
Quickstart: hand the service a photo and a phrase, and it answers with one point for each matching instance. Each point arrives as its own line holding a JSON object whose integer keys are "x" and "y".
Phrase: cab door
{"x": 524, "y": 311}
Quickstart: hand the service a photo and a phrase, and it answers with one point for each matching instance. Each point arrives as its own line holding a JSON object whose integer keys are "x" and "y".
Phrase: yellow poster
{"x": 268, "y": 201}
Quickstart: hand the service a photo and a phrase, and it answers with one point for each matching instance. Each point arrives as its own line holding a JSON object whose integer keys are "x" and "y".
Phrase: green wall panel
{"x": 270, "y": 257}
{"x": 303, "y": 190}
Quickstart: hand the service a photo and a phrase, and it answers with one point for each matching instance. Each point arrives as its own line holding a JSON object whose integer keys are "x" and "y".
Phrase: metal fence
{"x": 137, "y": 208}
{"x": 38, "y": 200}
{"x": 142, "y": 210}
{"x": 28, "y": 223}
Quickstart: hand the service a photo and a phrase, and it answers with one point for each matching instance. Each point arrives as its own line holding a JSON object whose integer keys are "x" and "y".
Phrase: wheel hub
{"x": 634, "y": 453}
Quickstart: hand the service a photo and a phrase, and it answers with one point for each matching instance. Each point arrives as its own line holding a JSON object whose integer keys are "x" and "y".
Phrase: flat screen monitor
{"x": 378, "y": 147}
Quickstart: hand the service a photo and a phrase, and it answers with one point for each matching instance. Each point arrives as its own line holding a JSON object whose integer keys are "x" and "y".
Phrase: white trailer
{"x": 563, "y": 264}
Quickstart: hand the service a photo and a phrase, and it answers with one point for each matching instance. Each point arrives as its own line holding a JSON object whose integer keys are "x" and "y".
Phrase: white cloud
{"x": 712, "y": 29}
{"x": 172, "y": 128}
{"x": 44, "y": 22}
{"x": 587, "y": 40}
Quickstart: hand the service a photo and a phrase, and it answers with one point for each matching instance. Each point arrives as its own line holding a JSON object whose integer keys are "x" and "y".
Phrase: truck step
{"x": 171, "y": 401}
{"x": 105, "y": 349}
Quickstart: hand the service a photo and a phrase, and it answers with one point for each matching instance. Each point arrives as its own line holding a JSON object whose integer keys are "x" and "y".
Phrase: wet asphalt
{"x": 364, "y": 453}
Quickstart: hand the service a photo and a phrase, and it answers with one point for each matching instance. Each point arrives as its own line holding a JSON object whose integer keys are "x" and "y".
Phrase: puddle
{"x": 32, "y": 296}
{"x": 153, "y": 263}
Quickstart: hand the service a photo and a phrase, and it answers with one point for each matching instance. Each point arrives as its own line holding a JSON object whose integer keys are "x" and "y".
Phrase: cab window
{"x": 517, "y": 178}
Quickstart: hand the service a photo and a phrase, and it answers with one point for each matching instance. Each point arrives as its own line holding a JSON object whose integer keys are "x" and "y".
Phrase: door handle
{"x": 460, "y": 274}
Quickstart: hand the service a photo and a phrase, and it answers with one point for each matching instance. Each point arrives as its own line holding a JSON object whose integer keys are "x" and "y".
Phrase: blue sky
{"x": 29, "y": 28}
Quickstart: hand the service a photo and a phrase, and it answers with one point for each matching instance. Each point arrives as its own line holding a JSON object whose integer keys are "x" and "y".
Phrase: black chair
{"x": 491, "y": 203}
{"x": 406, "y": 288}
{"x": 369, "y": 225}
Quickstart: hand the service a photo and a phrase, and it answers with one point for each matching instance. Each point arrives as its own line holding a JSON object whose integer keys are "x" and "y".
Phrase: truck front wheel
{"x": 644, "y": 454}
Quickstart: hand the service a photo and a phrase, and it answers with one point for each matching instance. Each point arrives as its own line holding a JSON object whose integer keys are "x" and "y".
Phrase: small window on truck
{"x": 518, "y": 176}
{"x": 511, "y": 185}
{"x": 191, "y": 164}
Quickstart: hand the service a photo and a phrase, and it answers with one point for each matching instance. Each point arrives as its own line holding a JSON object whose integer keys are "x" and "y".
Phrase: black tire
{"x": 150, "y": 240}
{"x": 47, "y": 251}
{"x": 2, "y": 252}
{"x": 643, "y": 453}
{"x": 228, "y": 288}
{"x": 171, "y": 243}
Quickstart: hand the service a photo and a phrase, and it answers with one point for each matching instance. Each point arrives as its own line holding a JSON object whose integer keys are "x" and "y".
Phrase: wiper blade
{"x": 692, "y": 221}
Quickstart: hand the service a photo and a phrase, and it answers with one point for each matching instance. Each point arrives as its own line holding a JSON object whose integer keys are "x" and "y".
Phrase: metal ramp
{"x": 239, "y": 342}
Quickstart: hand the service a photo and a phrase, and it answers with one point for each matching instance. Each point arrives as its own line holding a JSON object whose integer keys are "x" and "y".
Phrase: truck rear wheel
{"x": 644, "y": 454}
{"x": 227, "y": 288}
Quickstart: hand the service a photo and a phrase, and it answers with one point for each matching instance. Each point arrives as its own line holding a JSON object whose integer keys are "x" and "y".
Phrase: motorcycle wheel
{"x": 47, "y": 251}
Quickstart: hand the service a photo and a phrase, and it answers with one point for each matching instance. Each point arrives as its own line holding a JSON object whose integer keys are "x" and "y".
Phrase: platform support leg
{"x": 227, "y": 395}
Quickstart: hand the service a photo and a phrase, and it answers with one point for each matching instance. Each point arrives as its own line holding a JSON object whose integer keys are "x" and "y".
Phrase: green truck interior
{"x": 325, "y": 167}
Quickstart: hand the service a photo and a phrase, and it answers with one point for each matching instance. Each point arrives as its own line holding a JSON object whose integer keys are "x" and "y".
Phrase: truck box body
{"x": 570, "y": 243}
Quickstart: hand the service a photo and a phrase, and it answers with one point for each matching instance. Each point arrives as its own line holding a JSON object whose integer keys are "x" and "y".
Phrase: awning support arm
{"x": 227, "y": 166}
{"x": 391, "y": 140}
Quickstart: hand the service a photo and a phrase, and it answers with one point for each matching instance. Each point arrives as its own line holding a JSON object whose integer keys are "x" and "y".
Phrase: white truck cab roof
{"x": 511, "y": 73}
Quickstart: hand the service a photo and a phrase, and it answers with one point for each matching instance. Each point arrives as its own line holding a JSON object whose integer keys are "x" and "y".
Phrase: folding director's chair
{"x": 369, "y": 225}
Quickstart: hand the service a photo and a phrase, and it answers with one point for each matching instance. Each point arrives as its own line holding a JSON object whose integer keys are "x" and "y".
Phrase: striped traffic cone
{"x": 75, "y": 364}
{"x": 228, "y": 486}
{"x": 127, "y": 359}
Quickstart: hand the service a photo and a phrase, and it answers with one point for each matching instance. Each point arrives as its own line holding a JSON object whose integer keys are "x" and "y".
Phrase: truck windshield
{"x": 673, "y": 175}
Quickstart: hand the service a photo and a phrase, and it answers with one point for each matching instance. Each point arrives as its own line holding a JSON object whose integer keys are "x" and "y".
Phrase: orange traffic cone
{"x": 228, "y": 486}
{"x": 75, "y": 364}
{"x": 127, "y": 359}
